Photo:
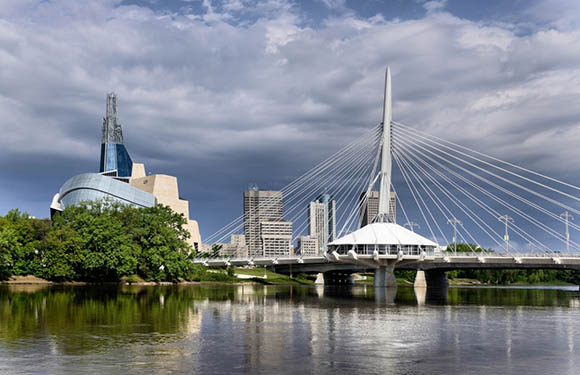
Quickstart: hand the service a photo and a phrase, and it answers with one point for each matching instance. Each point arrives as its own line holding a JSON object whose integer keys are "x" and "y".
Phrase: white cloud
{"x": 334, "y": 4}
{"x": 199, "y": 86}
{"x": 435, "y": 5}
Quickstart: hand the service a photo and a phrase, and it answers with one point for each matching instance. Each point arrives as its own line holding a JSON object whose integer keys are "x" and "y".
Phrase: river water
{"x": 229, "y": 329}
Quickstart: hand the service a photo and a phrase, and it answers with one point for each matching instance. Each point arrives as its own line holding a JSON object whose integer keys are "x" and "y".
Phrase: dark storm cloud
{"x": 224, "y": 94}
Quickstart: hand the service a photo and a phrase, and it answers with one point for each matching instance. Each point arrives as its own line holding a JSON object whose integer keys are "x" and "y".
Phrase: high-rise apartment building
{"x": 371, "y": 209}
{"x": 265, "y": 206}
{"x": 322, "y": 218}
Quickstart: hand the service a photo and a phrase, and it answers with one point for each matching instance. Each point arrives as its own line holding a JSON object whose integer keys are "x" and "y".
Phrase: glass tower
{"x": 114, "y": 155}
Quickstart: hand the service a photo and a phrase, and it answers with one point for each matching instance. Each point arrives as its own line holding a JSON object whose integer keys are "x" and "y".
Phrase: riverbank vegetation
{"x": 108, "y": 242}
{"x": 97, "y": 242}
{"x": 508, "y": 277}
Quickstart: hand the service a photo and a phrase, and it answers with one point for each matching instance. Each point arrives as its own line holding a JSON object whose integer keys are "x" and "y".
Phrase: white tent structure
{"x": 384, "y": 239}
{"x": 376, "y": 241}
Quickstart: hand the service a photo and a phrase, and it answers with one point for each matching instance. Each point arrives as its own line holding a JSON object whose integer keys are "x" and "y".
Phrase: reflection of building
{"x": 276, "y": 238}
{"x": 122, "y": 180}
{"x": 264, "y": 206}
{"x": 308, "y": 245}
{"x": 371, "y": 209}
{"x": 322, "y": 218}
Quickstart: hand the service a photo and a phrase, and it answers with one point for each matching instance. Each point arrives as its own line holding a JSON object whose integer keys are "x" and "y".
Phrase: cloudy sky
{"x": 224, "y": 94}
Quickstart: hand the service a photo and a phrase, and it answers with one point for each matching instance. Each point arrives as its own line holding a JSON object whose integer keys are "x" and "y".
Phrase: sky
{"x": 227, "y": 94}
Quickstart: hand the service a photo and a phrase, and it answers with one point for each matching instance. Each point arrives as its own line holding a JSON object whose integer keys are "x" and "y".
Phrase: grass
{"x": 272, "y": 277}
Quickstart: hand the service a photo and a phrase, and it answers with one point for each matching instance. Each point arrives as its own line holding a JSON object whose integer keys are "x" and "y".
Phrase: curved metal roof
{"x": 383, "y": 234}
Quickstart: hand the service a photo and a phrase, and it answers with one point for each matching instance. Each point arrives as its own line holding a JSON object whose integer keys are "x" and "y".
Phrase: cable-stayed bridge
{"x": 501, "y": 215}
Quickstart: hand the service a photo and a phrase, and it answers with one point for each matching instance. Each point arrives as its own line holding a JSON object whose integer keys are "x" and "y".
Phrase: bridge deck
{"x": 425, "y": 262}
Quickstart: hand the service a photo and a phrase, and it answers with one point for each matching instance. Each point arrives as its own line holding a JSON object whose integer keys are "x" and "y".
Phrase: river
{"x": 247, "y": 329}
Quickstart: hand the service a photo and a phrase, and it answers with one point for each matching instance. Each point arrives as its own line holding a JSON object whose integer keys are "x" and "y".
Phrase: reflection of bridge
{"x": 446, "y": 184}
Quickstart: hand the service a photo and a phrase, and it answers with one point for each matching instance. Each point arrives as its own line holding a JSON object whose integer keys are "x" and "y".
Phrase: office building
{"x": 276, "y": 237}
{"x": 322, "y": 219}
{"x": 308, "y": 246}
{"x": 260, "y": 206}
{"x": 236, "y": 248}
{"x": 370, "y": 209}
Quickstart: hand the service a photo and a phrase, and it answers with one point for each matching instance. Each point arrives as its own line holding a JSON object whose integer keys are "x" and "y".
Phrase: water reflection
{"x": 284, "y": 329}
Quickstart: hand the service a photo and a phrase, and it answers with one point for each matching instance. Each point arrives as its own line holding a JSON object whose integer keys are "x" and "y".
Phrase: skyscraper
{"x": 371, "y": 209}
{"x": 322, "y": 217}
{"x": 115, "y": 160}
{"x": 265, "y": 207}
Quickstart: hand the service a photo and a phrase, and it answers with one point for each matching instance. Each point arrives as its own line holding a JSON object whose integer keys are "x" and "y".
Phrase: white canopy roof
{"x": 383, "y": 234}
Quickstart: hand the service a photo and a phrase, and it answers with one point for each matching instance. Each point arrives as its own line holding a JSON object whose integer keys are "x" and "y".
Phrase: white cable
{"x": 436, "y": 199}
{"x": 495, "y": 198}
{"x": 490, "y": 157}
{"x": 417, "y": 202}
{"x": 564, "y": 206}
{"x": 304, "y": 182}
{"x": 321, "y": 167}
{"x": 470, "y": 214}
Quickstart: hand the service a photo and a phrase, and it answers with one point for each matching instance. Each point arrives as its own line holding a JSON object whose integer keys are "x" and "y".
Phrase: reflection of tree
{"x": 509, "y": 297}
{"x": 107, "y": 314}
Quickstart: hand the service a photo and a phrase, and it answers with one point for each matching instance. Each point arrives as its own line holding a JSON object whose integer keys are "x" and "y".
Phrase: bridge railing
{"x": 409, "y": 252}
{"x": 513, "y": 255}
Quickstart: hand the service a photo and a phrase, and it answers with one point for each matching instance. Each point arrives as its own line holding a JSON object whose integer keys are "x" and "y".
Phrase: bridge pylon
{"x": 382, "y": 244}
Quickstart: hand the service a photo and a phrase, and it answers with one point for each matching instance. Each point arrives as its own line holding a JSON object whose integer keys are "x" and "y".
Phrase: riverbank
{"x": 254, "y": 276}
{"x": 239, "y": 276}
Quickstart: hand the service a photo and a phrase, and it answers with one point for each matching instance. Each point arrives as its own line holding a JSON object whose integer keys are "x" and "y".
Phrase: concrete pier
{"x": 385, "y": 277}
{"x": 420, "y": 281}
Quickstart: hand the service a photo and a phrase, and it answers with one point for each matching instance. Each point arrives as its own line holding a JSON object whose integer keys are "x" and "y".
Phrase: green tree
{"x": 161, "y": 235}
{"x": 20, "y": 242}
{"x": 108, "y": 252}
{"x": 62, "y": 254}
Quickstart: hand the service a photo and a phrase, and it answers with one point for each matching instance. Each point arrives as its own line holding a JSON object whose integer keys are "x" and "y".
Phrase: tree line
{"x": 506, "y": 277}
{"x": 97, "y": 241}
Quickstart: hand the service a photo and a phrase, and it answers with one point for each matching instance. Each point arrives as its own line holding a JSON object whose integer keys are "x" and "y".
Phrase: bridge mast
{"x": 386, "y": 154}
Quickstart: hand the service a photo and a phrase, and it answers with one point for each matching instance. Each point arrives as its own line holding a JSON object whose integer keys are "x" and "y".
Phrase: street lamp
{"x": 566, "y": 215}
{"x": 506, "y": 219}
{"x": 454, "y": 221}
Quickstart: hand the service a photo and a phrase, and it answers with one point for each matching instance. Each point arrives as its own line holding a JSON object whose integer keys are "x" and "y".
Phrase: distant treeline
{"x": 501, "y": 277}
{"x": 97, "y": 241}
{"x": 505, "y": 277}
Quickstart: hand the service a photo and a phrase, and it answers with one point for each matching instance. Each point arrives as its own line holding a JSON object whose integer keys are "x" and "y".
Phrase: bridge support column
{"x": 420, "y": 281}
{"x": 436, "y": 279}
{"x": 385, "y": 277}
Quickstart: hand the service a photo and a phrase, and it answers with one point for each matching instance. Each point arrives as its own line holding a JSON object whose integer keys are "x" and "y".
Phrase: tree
{"x": 62, "y": 254}
{"x": 162, "y": 238}
{"x": 20, "y": 242}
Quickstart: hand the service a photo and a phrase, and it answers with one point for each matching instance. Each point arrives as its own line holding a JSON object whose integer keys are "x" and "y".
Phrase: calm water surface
{"x": 288, "y": 330}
